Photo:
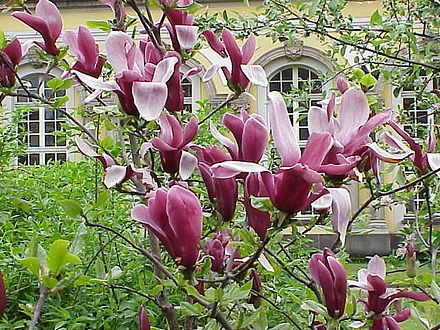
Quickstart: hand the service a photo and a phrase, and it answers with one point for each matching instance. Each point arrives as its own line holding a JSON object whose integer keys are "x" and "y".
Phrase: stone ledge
{"x": 361, "y": 245}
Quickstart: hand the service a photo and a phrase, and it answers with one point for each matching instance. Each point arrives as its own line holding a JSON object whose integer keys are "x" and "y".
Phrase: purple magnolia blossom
{"x": 2, "y": 295}
{"x": 290, "y": 187}
{"x": 10, "y": 57}
{"x": 250, "y": 133}
{"x": 223, "y": 193}
{"x": 114, "y": 174}
{"x": 181, "y": 29}
{"x": 141, "y": 86}
{"x": 47, "y": 21}
{"x": 118, "y": 9}
{"x": 216, "y": 249}
{"x": 175, "y": 217}
{"x": 240, "y": 74}
{"x": 424, "y": 162}
{"x": 379, "y": 296}
{"x": 259, "y": 220}
{"x": 144, "y": 323}
{"x": 350, "y": 130}
{"x": 172, "y": 144}
{"x": 84, "y": 48}
{"x": 329, "y": 274}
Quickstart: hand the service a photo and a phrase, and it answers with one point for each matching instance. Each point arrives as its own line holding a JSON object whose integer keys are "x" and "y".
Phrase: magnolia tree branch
{"x": 44, "y": 293}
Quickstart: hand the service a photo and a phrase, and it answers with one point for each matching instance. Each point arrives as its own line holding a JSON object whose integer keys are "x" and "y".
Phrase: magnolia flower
{"x": 140, "y": 86}
{"x": 10, "y": 57}
{"x": 172, "y": 144}
{"x": 379, "y": 296}
{"x": 118, "y": 9}
{"x": 47, "y": 21}
{"x": 257, "y": 285}
{"x": 250, "y": 133}
{"x": 259, "y": 220}
{"x": 216, "y": 249}
{"x": 350, "y": 130}
{"x": 175, "y": 217}
{"x": 176, "y": 99}
{"x": 329, "y": 274}
{"x": 223, "y": 193}
{"x": 83, "y": 46}
{"x": 290, "y": 187}
{"x": 114, "y": 174}
{"x": 144, "y": 323}
{"x": 2, "y": 295}
{"x": 181, "y": 29}
{"x": 409, "y": 251}
{"x": 241, "y": 73}
{"x": 423, "y": 161}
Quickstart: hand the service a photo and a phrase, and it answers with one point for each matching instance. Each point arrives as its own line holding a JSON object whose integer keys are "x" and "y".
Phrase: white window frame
{"x": 26, "y": 70}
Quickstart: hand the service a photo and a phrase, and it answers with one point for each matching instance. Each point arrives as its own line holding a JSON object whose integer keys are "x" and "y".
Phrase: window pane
{"x": 34, "y": 115}
{"x": 49, "y": 157}
{"x": 34, "y": 159}
{"x": 275, "y": 86}
{"x": 49, "y": 126}
{"x": 34, "y": 140}
{"x": 23, "y": 159}
{"x": 61, "y": 141}
{"x": 50, "y": 140}
{"x": 303, "y": 74}
{"x": 60, "y": 114}
{"x": 276, "y": 77}
{"x": 287, "y": 74}
{"x": 34, "y": 127}
{"x": 49, "y": 114}
{"x": 61, "y": 157}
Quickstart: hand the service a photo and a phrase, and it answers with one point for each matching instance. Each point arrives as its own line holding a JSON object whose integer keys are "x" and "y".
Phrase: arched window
{"x": 41, "y": 127}
{"x": 306, "y": 80}
{"x": 188, "y": 94}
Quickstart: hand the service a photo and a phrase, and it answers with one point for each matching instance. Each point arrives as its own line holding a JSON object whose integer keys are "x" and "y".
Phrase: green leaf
{"x": 435, "y": 290}
{"x": 49, "y": 281}
{"x": 100, "y": 25}
{"x": 72, "y": 208}
{"x": 21, "y": 204}
{"x": 368, "y": 80}
{"x": 33, "y": 264}
{"x": 78, "y": 240}
{"x": 59, "y": 256}
{"x": 55, "y": 84}
{"x": 193, "y": 8}
{"x": 313, "y": 306}
{"x": 260, "y": 322}
{"x": 188, "y": 309}
{"x": 60, "y": 101}
{"x": 376, "y": 18}
{"x": 358, "y": 74}
{"x": 82, "y": 280}
{"x": 103, "y": 198}
{"x": 2, "y": 39}
{"x": 262, "y": 204}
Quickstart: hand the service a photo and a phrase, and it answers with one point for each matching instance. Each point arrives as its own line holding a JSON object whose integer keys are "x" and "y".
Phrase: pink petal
{"x": 187, "y": 36}
{"x": 387, "y": 156}
{"x": 85, "y": 148}
{"x": 377, "y": 267}
{"x": 46, "y": 10}
{"x": 215, "y": 43}
{"x": 434, "y": 162}
{"x": 114, "y": 175}
{"x": 248, "y": 49}
{"x": 323, "y": 203}
{"x": 185, "y": 214}
{"x": 150, "y": 99}
{"x": 230, "y": 168}
{"x": 144, "y": 324}
{"x": 318, "y": 145}
{"x": 117, "y": 46}
{"x": 187, "y": 165}
{"x": 230, "y": 145}
{"x": 190, "y": 131}
{"x": 255, "y": 74}
{"x": 96, "y": 83}
{"x": 353, "y": 113}
{"x": 341, "y": 208}
{"x": 432, "y": 142}
{"x": 254, "y": 140}
{"x": 317, "y": 119}
{"x": 403, "y": 316}
{"x": 165, "y": 69}
{"x": 210, "y": 72}
{"x": 342, "y": 85}
{"x": 282, "y": 130}
{"x": 14, "y": 51}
